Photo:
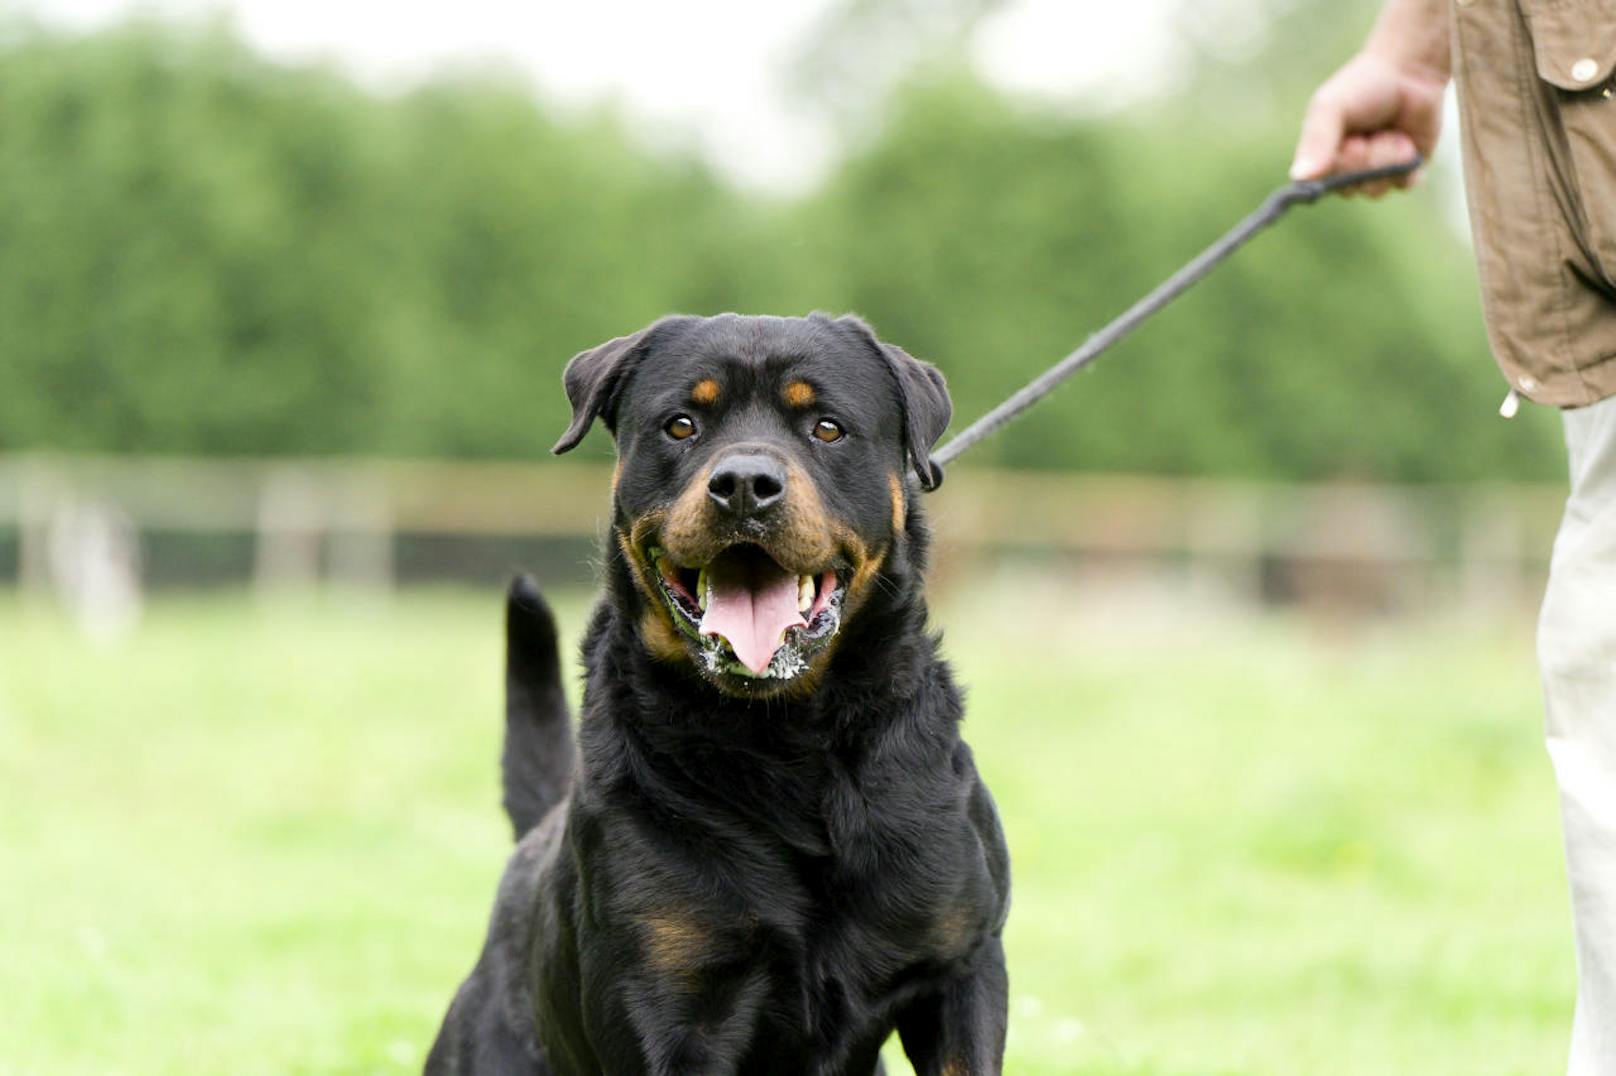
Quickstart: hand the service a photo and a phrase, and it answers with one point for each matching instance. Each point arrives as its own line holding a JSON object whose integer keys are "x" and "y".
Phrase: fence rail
{"x": 1489, "y": 542}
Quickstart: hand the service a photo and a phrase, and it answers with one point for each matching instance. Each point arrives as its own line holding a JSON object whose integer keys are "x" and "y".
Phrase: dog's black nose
{"x": 747, "y": 484}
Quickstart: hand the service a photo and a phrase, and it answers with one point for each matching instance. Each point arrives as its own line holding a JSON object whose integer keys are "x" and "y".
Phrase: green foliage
{"x": 204, "y": 252}
{"x": 207, "y": 253}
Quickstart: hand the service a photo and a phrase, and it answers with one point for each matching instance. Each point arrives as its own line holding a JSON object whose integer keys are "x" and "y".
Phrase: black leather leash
{"x": 1303, "y": 192}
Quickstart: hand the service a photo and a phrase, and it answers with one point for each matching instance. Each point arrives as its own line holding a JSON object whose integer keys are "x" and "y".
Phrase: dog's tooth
{"x": 805, "y": 593}
{"x": 701, "y": 589}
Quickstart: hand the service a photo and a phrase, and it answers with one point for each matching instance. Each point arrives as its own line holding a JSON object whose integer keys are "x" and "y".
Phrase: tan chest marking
{"x": 674, "y": 944}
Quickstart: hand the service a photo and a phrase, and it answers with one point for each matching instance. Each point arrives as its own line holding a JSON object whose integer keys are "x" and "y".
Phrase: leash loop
{"x": 1301, "y": 192}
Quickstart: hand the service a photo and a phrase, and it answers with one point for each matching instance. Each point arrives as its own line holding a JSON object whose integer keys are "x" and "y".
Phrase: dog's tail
{"x": 537, "y": 759}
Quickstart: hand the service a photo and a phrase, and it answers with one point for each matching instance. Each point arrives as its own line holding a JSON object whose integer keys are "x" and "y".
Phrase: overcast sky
{"x": 709, "y": 70}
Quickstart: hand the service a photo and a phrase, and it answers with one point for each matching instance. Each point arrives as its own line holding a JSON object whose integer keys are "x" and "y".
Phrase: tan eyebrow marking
{"x": 800, "y": 394}
{"x": 705, "y": 392}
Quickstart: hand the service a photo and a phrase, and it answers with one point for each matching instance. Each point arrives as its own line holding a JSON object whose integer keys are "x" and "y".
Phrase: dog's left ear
{"x": 923, "y": 396}
{"x": 595, "y": 378}
{"x": 926, "y": 410}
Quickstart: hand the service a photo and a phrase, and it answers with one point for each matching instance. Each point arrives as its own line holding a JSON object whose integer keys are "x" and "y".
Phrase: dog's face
{"x": 761, "y": 482}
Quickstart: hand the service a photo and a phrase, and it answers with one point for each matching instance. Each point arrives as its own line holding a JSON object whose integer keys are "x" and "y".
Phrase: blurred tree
{"x": 204, "y": 252}
{"x": 201, "y": 251}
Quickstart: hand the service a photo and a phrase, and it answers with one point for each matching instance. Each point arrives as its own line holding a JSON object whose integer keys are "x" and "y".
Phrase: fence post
{"x": 291, "y": 520}
{"x": 37, "y": 495}
{"x": 361, "y": 550}
{"x": 1223, "y": 543}
{"x": 1490, "y": 555}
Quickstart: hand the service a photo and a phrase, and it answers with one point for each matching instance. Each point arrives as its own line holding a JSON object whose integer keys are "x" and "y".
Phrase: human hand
{"x": 1371, "y": 113}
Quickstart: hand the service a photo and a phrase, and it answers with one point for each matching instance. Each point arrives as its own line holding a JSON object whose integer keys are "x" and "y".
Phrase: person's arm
{"x": 1385, "y": 103}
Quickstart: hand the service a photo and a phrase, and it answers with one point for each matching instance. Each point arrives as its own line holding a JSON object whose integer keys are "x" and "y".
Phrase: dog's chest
{"x": 840, "y": 988}
{"x": 863, "y": 930}
{"x": 807, "y": 912}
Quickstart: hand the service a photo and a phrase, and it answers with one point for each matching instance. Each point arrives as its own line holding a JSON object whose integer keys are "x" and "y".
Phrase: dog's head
{"x": 763, "y": 482}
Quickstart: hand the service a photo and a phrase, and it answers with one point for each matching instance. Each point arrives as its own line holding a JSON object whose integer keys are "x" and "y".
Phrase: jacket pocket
{"x": 1574, "y": 47}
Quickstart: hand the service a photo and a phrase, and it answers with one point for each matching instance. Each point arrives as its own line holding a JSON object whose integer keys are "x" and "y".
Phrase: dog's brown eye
{"x": 680, "y": 427}
{"x": 827, "y": 431}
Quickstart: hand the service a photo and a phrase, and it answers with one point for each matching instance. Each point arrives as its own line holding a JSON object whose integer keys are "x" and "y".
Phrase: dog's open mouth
{"x": 750, "y": 616}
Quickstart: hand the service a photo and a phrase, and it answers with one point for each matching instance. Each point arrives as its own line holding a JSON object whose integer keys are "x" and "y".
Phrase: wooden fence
{"x": 338, "y": 520}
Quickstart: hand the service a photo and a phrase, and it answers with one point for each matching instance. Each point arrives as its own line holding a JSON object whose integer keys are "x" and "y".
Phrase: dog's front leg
{"x": 959, "y": 1029}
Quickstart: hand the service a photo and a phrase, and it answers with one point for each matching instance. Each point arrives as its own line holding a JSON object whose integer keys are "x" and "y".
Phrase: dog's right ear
{"x": 594, "y": 378}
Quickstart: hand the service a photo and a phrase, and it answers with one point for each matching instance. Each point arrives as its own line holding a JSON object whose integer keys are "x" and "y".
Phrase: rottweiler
{"x": 769, "y": 847}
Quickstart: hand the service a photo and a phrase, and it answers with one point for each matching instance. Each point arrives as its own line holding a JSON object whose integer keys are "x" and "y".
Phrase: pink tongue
{"x": 752, "y": 603}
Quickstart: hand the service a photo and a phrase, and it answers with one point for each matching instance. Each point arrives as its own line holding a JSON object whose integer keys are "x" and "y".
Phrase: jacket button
{"x": 1584, "y": 69}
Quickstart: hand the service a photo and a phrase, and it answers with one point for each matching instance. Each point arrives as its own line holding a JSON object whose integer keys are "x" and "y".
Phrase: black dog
{"x": 775, "y": 848}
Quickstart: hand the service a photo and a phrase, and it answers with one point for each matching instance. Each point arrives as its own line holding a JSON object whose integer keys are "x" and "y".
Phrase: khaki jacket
{"x": 1537, "y": 101}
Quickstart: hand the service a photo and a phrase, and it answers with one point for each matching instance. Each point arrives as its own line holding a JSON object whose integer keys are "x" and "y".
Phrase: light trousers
{"x": 1577, "y": 655}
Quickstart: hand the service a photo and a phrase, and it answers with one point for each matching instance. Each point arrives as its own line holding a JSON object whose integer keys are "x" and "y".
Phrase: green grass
{"x": 258, "y": 840}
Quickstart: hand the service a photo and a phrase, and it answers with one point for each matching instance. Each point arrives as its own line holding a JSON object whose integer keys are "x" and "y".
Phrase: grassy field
{"x": 264, "y": 840}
